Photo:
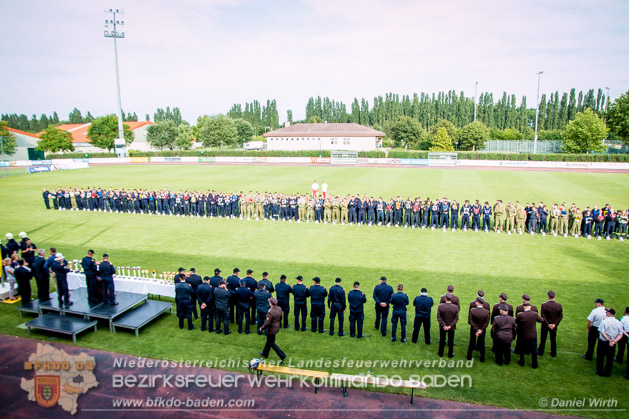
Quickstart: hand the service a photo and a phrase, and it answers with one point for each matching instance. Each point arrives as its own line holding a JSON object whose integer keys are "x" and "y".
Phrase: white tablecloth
{"x": 127, "y": 284}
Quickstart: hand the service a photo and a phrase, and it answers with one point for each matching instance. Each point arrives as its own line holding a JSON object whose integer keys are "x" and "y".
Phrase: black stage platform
{"x": 67, "y": 325}
{"x": 141, "y": 315}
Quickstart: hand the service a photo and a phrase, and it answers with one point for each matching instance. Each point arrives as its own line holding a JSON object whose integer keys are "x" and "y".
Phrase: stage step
{"x": 141, "y": 315}
{"x": 67, "y": 325}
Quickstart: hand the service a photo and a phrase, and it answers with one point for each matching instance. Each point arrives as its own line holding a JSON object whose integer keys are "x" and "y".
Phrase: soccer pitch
{"x": 578, "y": 270}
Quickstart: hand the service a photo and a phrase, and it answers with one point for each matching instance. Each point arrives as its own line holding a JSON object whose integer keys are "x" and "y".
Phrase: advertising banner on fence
{"x": 38, "y": 169}
{"x": 138, "y": 159}
{"x": 207, "y": 159}
{"x": 414, "y": 162}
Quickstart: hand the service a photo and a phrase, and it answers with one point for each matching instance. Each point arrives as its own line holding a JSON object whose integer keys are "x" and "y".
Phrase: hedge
{"x": 79, "y": 155}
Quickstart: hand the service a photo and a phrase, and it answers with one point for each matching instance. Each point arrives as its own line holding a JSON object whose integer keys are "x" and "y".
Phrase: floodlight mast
{"x": 115, "y": 35}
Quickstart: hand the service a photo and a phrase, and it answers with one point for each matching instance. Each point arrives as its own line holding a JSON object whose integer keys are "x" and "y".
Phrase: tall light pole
{"x": 475, "y": 91}
{"x": 119, "y": 142}
{"x": 539, "y": 76}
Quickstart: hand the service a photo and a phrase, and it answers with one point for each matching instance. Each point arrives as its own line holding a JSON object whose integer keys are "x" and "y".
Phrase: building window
{"x": 345, "y": 141}
{"x": 334, "y": 141}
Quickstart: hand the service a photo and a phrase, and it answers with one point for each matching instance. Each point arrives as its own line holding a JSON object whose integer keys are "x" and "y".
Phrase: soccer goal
{"x": 344, "y": 157}
{"x": 441, "y": 159}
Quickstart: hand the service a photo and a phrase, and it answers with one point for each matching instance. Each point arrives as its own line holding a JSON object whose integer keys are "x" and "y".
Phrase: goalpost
{"x": 344, "y": 157}
{"x": 442, "y": 159}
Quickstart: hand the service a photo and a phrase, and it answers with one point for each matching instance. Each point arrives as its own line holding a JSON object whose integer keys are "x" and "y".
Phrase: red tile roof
{"x": 325, "y": 130}
{"x": 79, "y": 131}
{"x": 17, "y": 131}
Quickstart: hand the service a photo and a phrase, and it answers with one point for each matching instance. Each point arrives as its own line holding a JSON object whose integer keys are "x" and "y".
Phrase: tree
{"x": 244, "y": 129}
{"x": 449, "y": 127}
{"x": 406, "y": 132}
{"x": 289, "y": 116}
{"x": 183, "y": 141}
{"x": 9, "y": 145}
{"x": 441, "y": 141}
{"x": 54, "y": 140}
{"x": 75, "y": 117}
{"x": 618, "y": 118}
{"x": 162, "y": 135}
{"x": 217, "y": 131}
{"x": 474, "y": 136}
{"x": 104, "y": 130}
{"x": 314, "y": 119}
{"x": 585, "y": 133}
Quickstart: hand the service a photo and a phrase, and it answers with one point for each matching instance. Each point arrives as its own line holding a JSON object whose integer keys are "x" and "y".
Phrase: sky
{"x": 205, "y": 55}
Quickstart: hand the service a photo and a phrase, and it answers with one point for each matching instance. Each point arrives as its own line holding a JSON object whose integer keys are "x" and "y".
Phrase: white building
{"x": 333, "y": 136}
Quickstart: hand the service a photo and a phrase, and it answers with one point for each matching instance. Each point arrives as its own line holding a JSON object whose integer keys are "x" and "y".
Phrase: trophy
{"x": 118, "y": 270}
{"x": 161, "y": 277}
{"x": 154, "y": 274}
{"x": 128, "y": 271}
{"x": 76, "y": 265}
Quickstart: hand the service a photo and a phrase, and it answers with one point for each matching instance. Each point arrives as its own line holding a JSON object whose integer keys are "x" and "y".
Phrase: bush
{"x": 408, "y": 154}
{"x": 228, "y": 153}
{"x": 622, "y": 158}
{"x": 376, "y": 154}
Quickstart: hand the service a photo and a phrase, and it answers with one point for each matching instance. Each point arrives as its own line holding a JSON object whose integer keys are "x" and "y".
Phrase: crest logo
{"x": 47, "y": 390}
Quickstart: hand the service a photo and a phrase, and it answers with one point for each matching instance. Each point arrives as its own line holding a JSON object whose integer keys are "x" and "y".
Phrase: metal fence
{"x": 545, "y": 147}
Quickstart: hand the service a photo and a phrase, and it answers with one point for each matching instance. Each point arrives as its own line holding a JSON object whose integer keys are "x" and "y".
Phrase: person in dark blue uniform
{"x": 283, "y": 292}
{"x": 221, "y": 302}
{"x": 382, "y": 296}
{"x": 336, "y": 305}
{"x": 244, "y": 297}
{"x": 300, "y": 293}
{"x": 252, "y": 284}
{"x": 423, "y": 305}
{"x": 89, "y": 268}
{"x": 233, "y": 282}
{"x": 194, "y": 280}
{"x": 216, "y": 279}
{"x": 261, "y": 297}
{"x": 353, "y": 203}
{"x": 60, "y": 267}
{"x": 268, "y": 284}
{"x": 356, "y": 299}
{"x": 183, "y": 296}
{"x": 107, "y": 272}
{"x": 205, "y": 297}
{"x": 399, "y": 301}
{"x": 317, "y": 305}
{"x": 45, "y": 195}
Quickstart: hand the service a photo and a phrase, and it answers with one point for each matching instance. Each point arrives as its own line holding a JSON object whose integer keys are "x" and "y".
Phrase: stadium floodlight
{"x": 120, "y": 143}
{"x": 539, "y": 76}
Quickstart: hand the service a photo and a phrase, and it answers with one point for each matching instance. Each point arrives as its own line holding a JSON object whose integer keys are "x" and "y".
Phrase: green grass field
{"x": 578, "y": 270}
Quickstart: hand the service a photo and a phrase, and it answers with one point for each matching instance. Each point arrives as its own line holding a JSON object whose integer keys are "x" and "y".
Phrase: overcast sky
{"x": 205, "y": 55}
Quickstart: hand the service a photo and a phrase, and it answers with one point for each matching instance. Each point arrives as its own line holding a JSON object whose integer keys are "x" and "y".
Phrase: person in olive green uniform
{"x": 310, "y": 211}
{"x": 499, "y": 212}
{"x": 344, "y": 212}
{"x": 576, "y": 223}
{"x": 563, "y": 221}
{"x": 301, "y": 209}
{"x": 554, "y": 219}
{"x": 327, "y": 211}
{"x": 336, "y": 212}
{"x": 520, "y": 217}
{"x": 510, "y": 211}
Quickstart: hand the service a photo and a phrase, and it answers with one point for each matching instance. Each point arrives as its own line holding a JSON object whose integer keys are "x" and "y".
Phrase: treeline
{"x": 35, "y": 124}
{"x": 261, "y": 117}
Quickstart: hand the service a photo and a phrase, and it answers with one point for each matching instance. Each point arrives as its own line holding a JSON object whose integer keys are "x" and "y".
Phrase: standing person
{"x": 423, "y": 306}
{"x": 503, "y": 333}
{"x": 9, "y": 275}
{"x": 356, "y": 299}
{"x": 216, "y": 279}
{"x": 597, "y": 315}
{"x": 455, "y": 299}
{"x": 268, "y": 284}
{"x": 272, "y": 326}
{"x": 13, "y": 247}
{"x": 42, "y": 277}
{"x": 300, "y": 293}
{"x": 27, "y": 249}
{"x": 478, "y": 319}
{"x": 382, "y": 294}
{"x": 183, "y": 296}
{"x": 60, "y": 269}
{"x": 315, "y": 189}
{"x": 317, "y": 305}
{"x": 221, "y": 301}
{"x": 447, "y": 315}
{"x": 244, "y": 297}
{"x": 252, "y": 284}
{"x": 23, "y": 276}
{"x": 45, "y": 195}
{"x": 399, "y": 301}
{"x": 233, "y": 282}
{"x": 205, "y": 297}
{"x": 552, "y": 313}
{"x": 89, "y": 269}
{"x": 502, "y": 298}
{"x": 526, "y": 325}
{"x": 610, "y": 333}
{"x": 623, "y": 342}
{"x": 480, "y": 295}
{"x": 261, "y": 297}
{"x": 194, "y": 280}
{"x": 337, "y": 305}
{"x": 324, "y": 189}
{"x": 283, "y": 292}
{"x": 107, "y": 272}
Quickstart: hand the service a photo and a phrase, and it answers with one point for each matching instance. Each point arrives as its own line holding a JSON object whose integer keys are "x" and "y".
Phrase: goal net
{"x": 441, "y": 159}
